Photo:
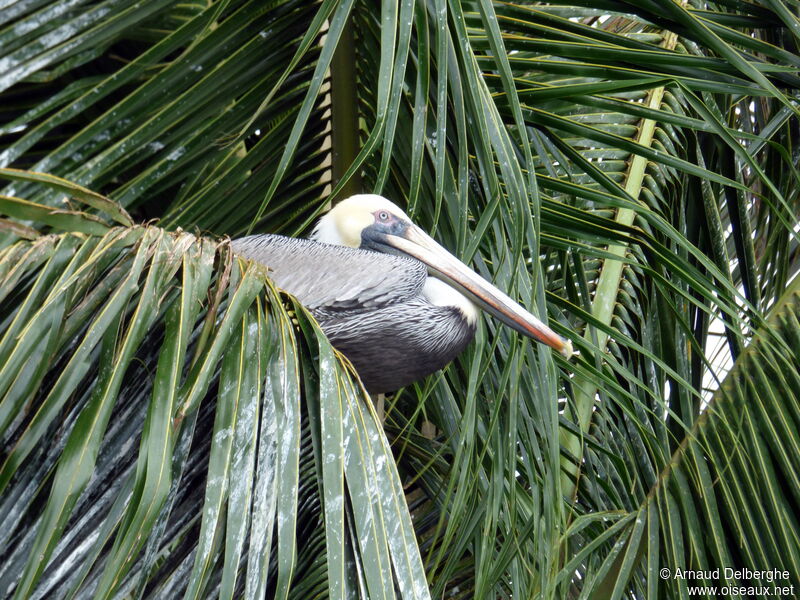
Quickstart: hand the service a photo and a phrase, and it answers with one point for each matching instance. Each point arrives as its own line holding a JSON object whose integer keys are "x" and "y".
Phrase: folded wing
{"x": 327, "y": 278}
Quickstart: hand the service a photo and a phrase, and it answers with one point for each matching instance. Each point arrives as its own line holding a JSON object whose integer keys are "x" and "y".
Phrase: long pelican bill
{"x": 415, "y": 242}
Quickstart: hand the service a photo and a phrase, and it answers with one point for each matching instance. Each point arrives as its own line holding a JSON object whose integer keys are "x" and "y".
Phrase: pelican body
{"x": 392, "y": 300}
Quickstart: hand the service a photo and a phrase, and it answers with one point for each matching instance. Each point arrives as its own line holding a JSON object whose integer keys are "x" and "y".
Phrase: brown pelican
{"x": 391, "y": 299}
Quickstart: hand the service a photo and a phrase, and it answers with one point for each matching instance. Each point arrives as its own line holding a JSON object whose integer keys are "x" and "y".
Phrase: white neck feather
{"x": 439, "y": 293}
{"x": 327, "y": 232}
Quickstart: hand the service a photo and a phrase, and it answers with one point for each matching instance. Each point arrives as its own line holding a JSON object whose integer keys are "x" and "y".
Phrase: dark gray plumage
{"x": 370, "y": 305}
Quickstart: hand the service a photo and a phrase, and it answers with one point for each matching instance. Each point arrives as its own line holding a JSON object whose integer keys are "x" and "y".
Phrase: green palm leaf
{"x": 157, "y": 309}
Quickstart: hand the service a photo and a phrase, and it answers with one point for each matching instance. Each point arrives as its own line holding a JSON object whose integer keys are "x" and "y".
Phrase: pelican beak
{"x": 415, "y": 242}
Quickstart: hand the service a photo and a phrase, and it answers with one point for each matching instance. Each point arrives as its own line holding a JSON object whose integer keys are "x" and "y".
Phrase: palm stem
{"x": 606, "y": 293}
{"x": 344, "y": 113}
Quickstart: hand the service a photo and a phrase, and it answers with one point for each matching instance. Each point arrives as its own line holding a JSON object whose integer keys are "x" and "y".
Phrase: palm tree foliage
{"x": 175, "y": 426}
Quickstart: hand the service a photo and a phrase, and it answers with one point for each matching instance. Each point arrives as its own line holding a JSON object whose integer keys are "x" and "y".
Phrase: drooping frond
{"x": 170, "y": 422}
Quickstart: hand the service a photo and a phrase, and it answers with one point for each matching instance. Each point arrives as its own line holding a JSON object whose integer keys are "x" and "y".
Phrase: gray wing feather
{"x": 327, "y": 277}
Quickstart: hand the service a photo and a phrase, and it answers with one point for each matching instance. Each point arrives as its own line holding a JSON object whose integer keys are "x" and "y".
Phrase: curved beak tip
{"x": 418, "y": 244}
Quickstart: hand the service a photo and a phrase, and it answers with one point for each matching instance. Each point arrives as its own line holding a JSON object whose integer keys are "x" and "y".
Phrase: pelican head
{"x": 372, "y": 222}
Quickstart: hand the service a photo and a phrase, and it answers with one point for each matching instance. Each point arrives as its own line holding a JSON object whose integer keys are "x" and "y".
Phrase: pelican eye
{"x": 384, "y": 216}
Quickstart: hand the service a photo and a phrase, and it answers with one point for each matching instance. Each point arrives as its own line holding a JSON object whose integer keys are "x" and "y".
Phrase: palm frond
{"x": 166, "y": 342}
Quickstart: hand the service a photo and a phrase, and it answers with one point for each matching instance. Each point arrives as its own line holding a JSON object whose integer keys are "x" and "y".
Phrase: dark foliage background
{"x": 626, "y": 169}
